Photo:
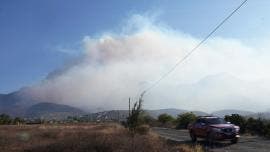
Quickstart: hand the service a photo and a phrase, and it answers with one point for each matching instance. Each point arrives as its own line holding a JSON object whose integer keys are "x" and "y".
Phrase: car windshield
{"x": 215, "y": 121}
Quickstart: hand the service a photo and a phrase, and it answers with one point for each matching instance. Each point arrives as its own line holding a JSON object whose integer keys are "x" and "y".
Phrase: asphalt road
{"x": 245, "y": 144}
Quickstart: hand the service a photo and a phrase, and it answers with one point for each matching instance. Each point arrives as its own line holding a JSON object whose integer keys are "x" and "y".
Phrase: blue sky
{"x": 33, "y": 34}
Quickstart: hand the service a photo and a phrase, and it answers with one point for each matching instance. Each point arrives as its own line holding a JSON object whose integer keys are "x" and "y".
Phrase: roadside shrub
{"x": 133, "y": 121}
{"x": 5, "y": 119}
{"x": 258, "y": 126}
{"x": 184, "y": 119}
{"x": 165, "y": 118}
{"x": 147, "y": 119}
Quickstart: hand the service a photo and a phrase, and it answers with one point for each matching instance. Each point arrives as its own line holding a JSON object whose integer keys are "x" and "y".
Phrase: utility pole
{"x": 118, "y": 116}
{"x": 128, "y": 107}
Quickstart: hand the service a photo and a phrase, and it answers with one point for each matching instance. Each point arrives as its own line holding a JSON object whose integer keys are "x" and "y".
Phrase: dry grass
{"x": 188, "y": 148}
{"x": 82, "y": 138}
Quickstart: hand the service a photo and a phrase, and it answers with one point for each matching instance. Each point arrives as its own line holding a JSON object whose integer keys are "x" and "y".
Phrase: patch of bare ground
{"x": 105, "y": 137}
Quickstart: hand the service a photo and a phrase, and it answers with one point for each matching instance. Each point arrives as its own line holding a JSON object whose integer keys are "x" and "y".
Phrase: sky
{"x": 39, "y": 38}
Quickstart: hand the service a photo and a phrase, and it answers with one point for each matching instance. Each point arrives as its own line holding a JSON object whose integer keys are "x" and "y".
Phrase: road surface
{"x": 246, "y": 143}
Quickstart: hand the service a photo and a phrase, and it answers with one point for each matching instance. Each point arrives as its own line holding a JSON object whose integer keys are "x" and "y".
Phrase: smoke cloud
{"x": 223, "y": 73}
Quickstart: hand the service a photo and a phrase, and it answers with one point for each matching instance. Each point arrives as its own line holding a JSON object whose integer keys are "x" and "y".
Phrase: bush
{"x": 184, "y": 119}
{"x": 257, "y": 126}
{"x": 165, "y": 118}
{"x": 5, "y": 119}
{"x": 147, "y": 119}
{"x": 133, "y": 121}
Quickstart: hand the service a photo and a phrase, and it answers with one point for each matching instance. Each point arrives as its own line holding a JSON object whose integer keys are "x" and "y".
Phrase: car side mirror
{"x": 228, "y": 122}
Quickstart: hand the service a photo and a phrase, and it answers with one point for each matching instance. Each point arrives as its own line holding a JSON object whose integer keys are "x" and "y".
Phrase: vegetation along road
{"x": 246, "y": 143}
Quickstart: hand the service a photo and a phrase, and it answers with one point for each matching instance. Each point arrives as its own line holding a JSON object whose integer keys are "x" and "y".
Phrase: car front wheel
{"x": 210, "y": 139}
{"x": 193, "y": 136}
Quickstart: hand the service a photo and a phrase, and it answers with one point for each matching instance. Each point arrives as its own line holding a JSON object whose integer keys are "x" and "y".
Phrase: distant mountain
{"x": 200, "y": 113}
{"x": 22, "y": 104}
{"x": 15, "y": 103}
{"x": 52, "y": 111}
{"x": 222, "y": 113}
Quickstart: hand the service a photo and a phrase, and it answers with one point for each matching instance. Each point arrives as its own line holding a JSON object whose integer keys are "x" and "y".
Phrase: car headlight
{"x": 237, "y": 128}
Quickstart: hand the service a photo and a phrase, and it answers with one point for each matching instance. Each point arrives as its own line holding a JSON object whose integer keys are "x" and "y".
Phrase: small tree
{"x": 165, "y": 118}
{"x": 133, "y": 120}
{"x": 184, "y": 119}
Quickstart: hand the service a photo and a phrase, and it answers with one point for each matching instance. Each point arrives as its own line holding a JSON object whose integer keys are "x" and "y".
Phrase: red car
{"x": 213, "y": 128}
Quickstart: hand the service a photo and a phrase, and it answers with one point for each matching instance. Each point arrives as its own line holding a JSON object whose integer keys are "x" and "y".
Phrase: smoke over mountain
{"x": 118, "y": 65}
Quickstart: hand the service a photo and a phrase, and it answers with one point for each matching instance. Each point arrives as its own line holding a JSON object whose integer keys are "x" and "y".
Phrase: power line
{"x": 194, "y": 49}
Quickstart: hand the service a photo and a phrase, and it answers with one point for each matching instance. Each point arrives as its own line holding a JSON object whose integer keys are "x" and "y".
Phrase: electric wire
{"x": 193, "y": 50}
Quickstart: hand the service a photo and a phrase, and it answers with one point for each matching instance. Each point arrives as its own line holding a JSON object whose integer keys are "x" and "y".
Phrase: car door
{"x": 198, "y": 127}
{"x": 203, "y": 128}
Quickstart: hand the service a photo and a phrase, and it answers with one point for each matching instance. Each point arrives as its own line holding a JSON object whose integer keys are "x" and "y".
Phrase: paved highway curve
{"x": 246, "y": 143}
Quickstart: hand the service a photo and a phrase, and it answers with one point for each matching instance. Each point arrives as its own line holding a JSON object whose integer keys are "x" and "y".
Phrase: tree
{"x": 165, "y": 118}
{"x": 5, "y": 119}
{"x": 133, "y": 121}
{"x": 184, "y": 119}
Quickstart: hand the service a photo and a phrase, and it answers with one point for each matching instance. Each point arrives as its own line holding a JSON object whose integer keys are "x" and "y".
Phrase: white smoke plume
{"x": 118, "y": 65}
